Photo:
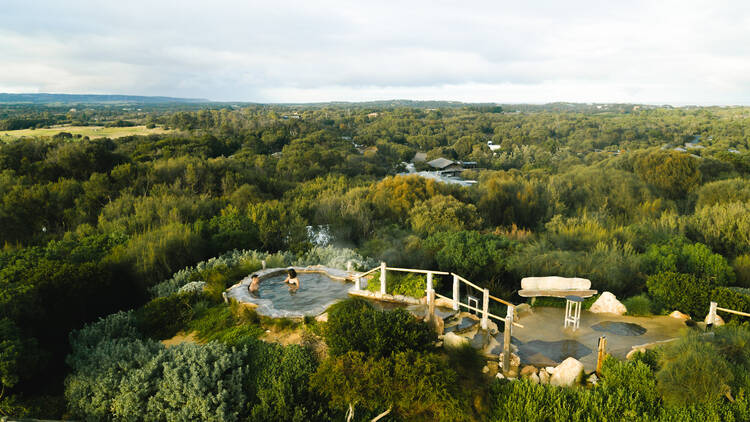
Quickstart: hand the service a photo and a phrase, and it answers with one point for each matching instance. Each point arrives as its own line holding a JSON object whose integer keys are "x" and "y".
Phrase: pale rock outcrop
{"x": 608, "y": 303}
{"x": 322, "y": 317}
{"x": 534, "y": 379}
{"x": 568, "y": 373}
{"x": 528, "y": 371}
{"x": 680, "y": 315}
{"x": 454, "y": 341}
{"x": 443, "y": 302}
{"x": 719, "y": 321}
{"x": 543, "y": 376}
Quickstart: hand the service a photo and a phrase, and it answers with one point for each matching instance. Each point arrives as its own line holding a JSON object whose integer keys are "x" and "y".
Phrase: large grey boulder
{"x": 568, "y": 373}
{"x": 608, "y": 303}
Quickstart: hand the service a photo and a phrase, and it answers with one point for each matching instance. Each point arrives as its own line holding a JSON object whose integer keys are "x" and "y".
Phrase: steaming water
{"x": 317, "y": 293}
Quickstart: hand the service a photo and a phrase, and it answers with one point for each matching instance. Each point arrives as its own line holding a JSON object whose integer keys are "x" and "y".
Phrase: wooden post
{"x": 263, "y": 264}
{"x": 711, "y": 315}
{"x": 506, "y": 343}
{"x": 358, "y": 283}
{"x": 429, "y": 289}
{"x": 382, "y": 278}
{"x": 601, "y": 354}
{"x": 456, "y": 297}
{"x": 485, "y": 308}
{"x": 348, "y": 265}
{"x": 430, "y": 305}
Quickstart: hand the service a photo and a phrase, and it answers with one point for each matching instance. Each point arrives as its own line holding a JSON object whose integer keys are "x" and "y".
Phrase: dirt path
{"x": 180, "y": 338}
{"x": 284, "y": 337}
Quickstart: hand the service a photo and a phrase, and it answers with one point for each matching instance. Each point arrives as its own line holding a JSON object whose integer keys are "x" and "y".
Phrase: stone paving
{"x": 544, "y": 342}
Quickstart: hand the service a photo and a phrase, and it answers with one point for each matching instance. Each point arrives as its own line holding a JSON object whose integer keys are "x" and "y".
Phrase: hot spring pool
{"x": 318, "y": 292}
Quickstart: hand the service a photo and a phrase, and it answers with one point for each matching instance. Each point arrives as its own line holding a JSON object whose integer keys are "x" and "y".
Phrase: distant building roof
{"x": 441, "y": 163}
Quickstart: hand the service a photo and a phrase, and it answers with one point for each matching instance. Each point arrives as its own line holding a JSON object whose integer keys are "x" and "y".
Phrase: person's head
{"x": 292, "y": 273}
{"x": 254, "y": 277}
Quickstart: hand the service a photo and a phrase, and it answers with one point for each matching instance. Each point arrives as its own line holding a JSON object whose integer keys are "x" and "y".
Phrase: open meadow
{"x": 90, "y": 131}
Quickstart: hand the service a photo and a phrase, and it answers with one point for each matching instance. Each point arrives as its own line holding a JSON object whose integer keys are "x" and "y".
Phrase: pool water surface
{"x": 316, "y": 293}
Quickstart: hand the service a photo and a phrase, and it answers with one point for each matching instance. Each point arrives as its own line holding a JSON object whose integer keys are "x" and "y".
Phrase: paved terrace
{"x": 544, "y": 342}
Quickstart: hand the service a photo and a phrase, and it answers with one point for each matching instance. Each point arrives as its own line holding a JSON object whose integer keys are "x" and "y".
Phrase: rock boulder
{"x": 568, "y": 373}
{"x": 543, "y": 376}
{"x": 680, "y": 315}
{"x": 719, "y": 321}
{"x": 454, "y": 341}
{"x": 608, "y": 303}
{"x": 527, "y": 371}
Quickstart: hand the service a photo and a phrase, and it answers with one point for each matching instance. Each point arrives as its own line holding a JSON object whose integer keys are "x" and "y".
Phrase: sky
{"x": 654, "y": 52}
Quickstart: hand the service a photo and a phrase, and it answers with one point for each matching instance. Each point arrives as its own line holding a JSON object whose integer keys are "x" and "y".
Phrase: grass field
{"x": 90, "y": 131}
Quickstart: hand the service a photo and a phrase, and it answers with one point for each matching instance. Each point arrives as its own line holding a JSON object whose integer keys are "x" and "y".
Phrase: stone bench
{"x": 554, "y": 286}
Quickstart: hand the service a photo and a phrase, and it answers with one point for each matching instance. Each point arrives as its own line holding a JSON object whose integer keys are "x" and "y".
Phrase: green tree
{"x": 673, "y": 172}
{"x": 443, "y": 213}
{"x": 411, "y": 385}
{"x": 683, "y": 292}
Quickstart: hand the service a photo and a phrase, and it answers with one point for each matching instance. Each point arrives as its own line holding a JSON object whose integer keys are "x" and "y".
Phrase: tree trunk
{"x": 382, "y": 415}
{"x": 350, "y": 413}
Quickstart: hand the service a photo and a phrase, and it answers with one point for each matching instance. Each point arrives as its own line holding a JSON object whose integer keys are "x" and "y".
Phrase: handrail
{"x": 469, "y": 282}
{"x": 408, "y": 270}
{"x": 369, "y": 272}
{"x": 504, "y": 302}
{"x": 491, "y": 315}
{"x": 731, "y": 311}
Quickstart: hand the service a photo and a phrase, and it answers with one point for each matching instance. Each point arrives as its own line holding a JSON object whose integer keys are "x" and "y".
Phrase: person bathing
{"x": 254, "y": 284}
{"x": 292, "y": 280}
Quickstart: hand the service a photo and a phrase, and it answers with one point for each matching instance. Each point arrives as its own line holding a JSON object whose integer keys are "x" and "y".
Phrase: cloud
{"x": 656, "y": 52}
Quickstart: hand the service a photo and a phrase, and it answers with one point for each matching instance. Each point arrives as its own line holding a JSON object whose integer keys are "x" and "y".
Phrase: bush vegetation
{"x": 94, "y": 227}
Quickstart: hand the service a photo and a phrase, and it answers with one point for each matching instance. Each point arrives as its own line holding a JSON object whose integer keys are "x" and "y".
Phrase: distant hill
{"x": 91, "y": 99}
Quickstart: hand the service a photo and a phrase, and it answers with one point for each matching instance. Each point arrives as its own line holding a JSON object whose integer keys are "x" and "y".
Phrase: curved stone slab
{"x": 555, "y": 283}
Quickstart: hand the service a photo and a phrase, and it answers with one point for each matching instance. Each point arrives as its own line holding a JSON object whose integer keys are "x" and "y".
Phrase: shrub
{"x": 724, "y": 227}
{"x": 476, "y": 256}
{"x": 683, "y": 292}
{"x": 415, "y": 386}
{"x": 634, "y": 378}
{"x": 692, "y": 371}
{"x": 114, "y": 326}
{"x": 354, "y": 324}
{"x": 681, "y": 256}
{"x": 163, "y": 317}
{"x": 233, "y": 325}
{"x": 611, "y": 266}
{"x": 734, "y": 298}
{"x": 741, "y": 267}
{"x": 407, "y": 284}
{"x": 638, "y": 305}
{"x": 443, "y": 213}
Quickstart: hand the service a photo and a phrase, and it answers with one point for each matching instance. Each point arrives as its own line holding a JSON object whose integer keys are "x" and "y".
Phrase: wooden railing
{"x": 714, "y": 307}
{"x": 456, "y": 299}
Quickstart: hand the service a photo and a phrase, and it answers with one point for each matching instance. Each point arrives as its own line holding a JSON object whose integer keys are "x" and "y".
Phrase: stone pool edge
{"x": 333, "y": 273}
